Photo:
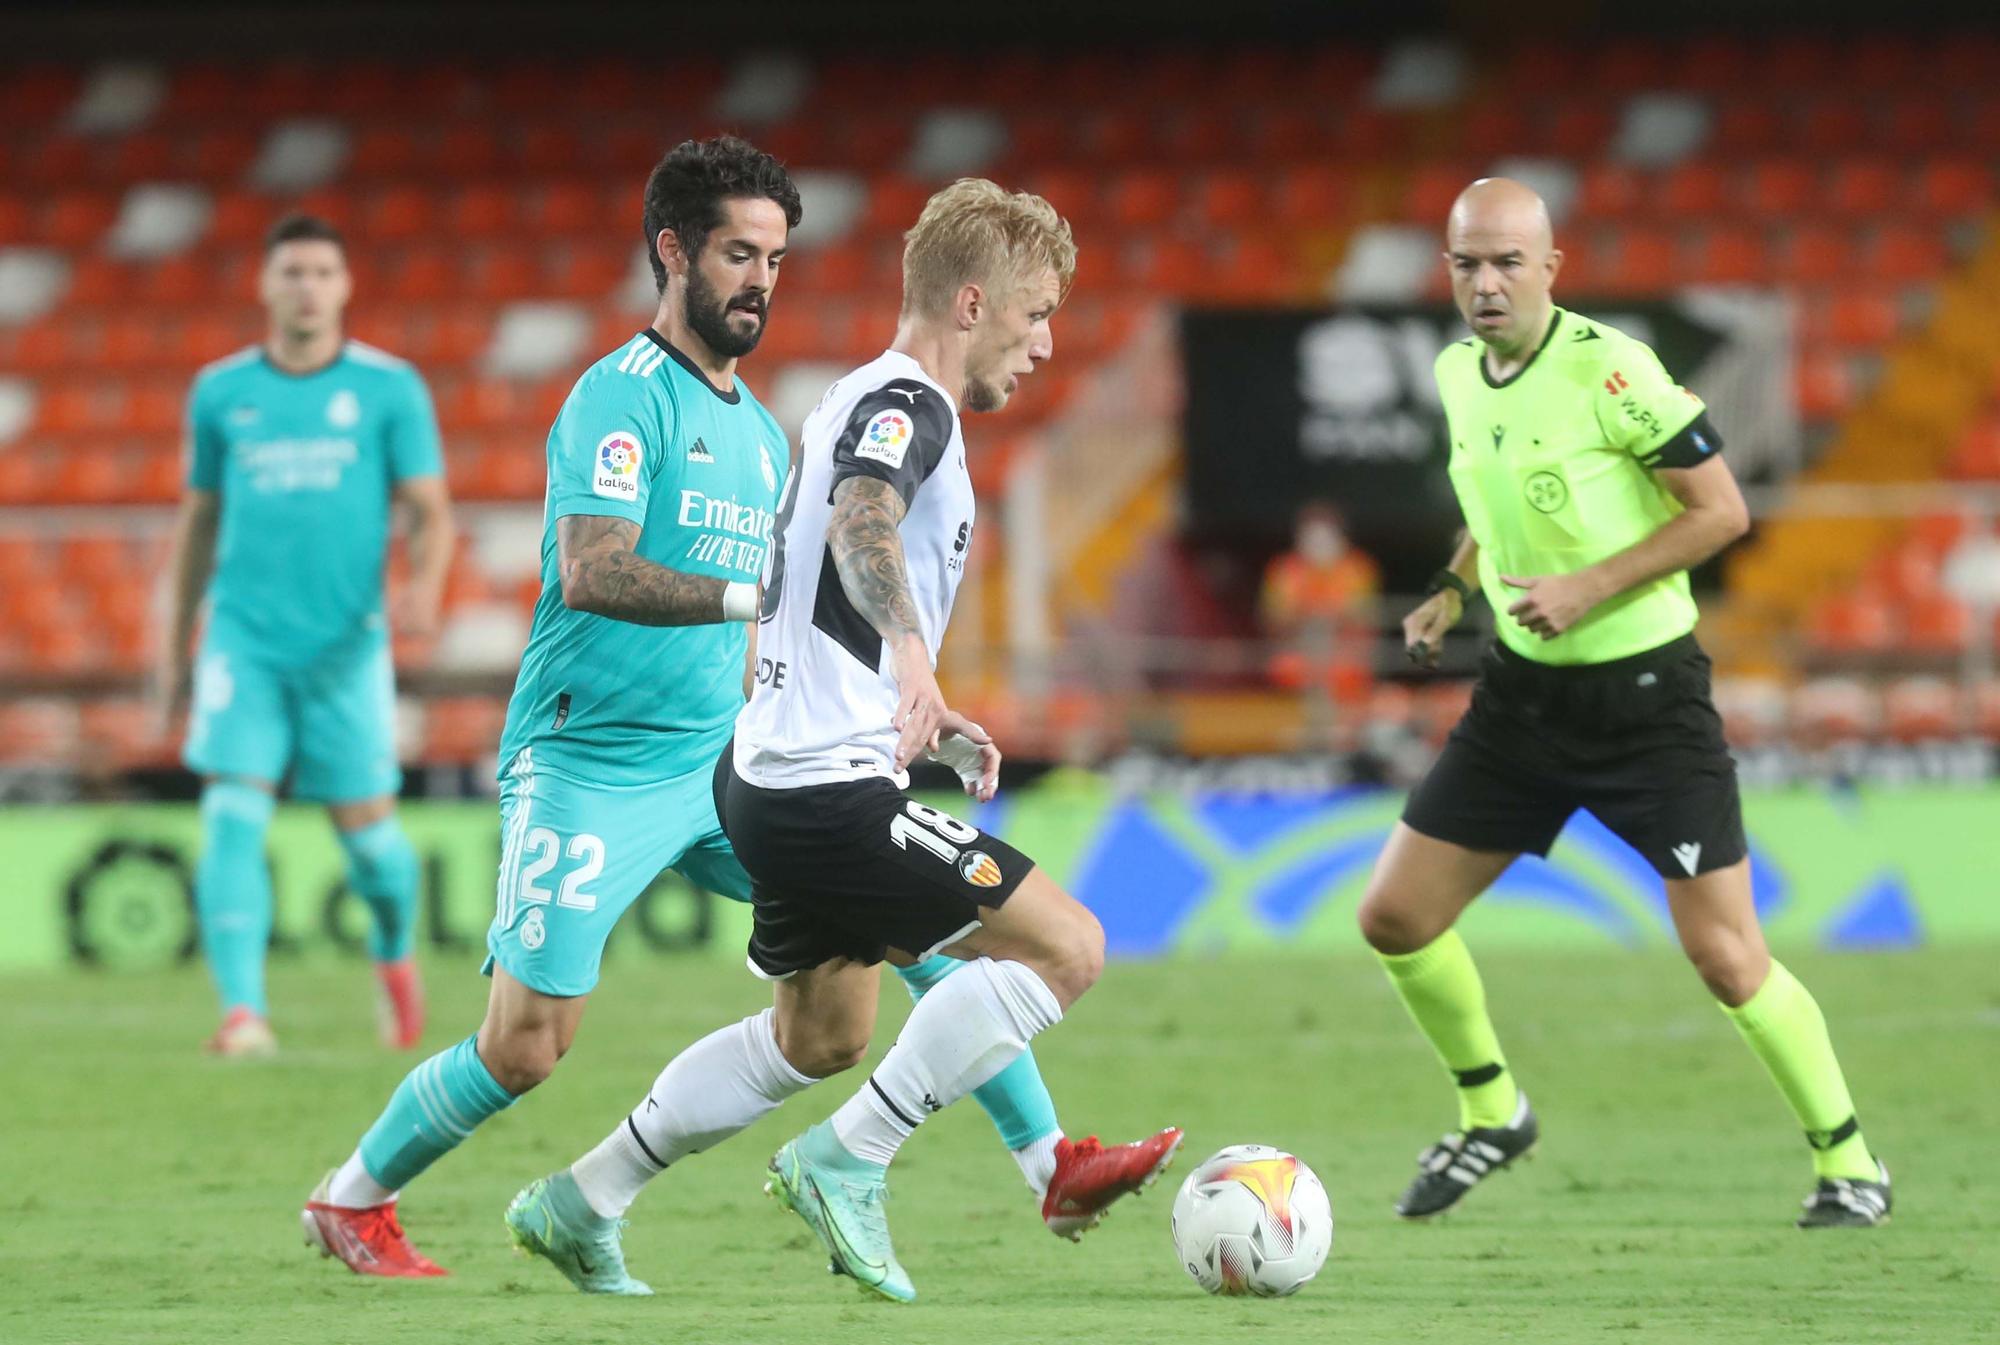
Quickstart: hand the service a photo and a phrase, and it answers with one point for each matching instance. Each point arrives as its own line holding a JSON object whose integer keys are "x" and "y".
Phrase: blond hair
{"x": 979, "y": 233}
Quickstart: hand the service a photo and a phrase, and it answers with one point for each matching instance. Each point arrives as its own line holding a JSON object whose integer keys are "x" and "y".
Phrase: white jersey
{"x": 825, "y": 688}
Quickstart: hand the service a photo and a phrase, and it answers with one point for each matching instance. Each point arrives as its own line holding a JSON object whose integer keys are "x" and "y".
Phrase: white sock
{"x": 966, "y": 1029}
{"x": 353, "y": 1189}
{"x": 1038, "y": 1162}
{"x": 708, "y": 1092}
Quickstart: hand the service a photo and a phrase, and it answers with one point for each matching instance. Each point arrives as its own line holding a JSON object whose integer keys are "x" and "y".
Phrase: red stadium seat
{"x": 482, "y": 210}
{"x": 143, "y": 156}
{"x": 1431, "y": 190}
{"x": 1199, "y": 137}
{"x": 502, "y": 273}
{"x": 1493, "y": 130}
{"x": 1802, "y": 63}
{"x": 422, "y": 274}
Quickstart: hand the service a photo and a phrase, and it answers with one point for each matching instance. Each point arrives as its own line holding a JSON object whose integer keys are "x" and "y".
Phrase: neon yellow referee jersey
{"x": 1553, "y": 468}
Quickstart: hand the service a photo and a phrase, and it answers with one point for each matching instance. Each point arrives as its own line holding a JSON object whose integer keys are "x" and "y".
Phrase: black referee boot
{"x": 1848, "y": 1202}
{"x": 1457, "y": 1163}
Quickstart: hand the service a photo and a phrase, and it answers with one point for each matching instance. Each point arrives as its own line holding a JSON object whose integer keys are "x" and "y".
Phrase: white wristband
{"x": 739, "y": 602}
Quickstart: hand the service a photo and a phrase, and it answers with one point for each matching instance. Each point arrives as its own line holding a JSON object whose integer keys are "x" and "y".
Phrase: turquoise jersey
{"x": 305, "y": 465}
{"x": 644, "y": 436}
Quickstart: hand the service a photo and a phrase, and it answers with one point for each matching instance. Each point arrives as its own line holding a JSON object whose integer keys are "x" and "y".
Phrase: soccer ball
{"x": 1252, "y": 1220}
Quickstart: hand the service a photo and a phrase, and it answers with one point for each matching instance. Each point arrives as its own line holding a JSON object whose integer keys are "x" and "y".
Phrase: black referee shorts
{"x": 855, "y": 869}
{"x": 1636, "y": 741}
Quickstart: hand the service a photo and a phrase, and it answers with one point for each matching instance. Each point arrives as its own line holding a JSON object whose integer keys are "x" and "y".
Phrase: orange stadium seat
{"x": 1907, "y": 253}
{"x": 397, "y": 214}
{"x": 1938, "y": 533}
{"x": 1953, "y": 186}
{"x": 1141, "y": 200}
{"x": 78, "y": 219}
{"x": 481, "y": 210}
{"x": 1580, "y": 127}
{"x": 1747, "y": 125}
{"x": 1825, "y": 383}
{"x": 1230, "y": 199}
{"x": 143, "y": 156}
{"x": 383, "y": 151}
{"x": 1936, "y": 624}
{"x": 1279, "y": 134}
{"x": 1815, "y": 254}
{"x": 569, "y": 208}
{"x": 1921, "y": 123}
{"x": 1978, "y": 457}
{"x": 501, "y": 272}
{"x": 1865, "y": 186}
{"x": 1311, "y": 197}
{"x": 1730, "y": 255}
{"x": 1856, "y": 622}
{"x": 1859, "y": 318}
{"x": 1779, "y": 187}
{"x": 422, "y": 274}
{"x": 1833, "y": 124}
{"x": 1611, "y": 193}
{"x": 580, "y": 271}
{"x": 1491, "y": 129}
{"x": 177, "y": 280}
{"x": 1197, "y": 138}
{"x": 335, "y": 205}
{"x": 61, "y": 160}
{"x": 1646, "y": 262}
{"x": 16, "y": 220}
{"x": 1431, "y": 189}
{"x": 1696, "y": 188}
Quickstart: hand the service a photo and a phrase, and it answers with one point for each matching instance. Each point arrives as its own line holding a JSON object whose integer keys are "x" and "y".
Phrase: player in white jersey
{"x": 847, "y": 869}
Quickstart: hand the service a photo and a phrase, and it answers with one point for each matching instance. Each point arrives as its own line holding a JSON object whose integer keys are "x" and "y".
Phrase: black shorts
{"x": 855, "y": 869}
{"x": 1636, "y": 741}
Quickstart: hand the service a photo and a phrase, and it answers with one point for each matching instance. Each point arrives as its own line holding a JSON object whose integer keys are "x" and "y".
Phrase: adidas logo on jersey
{"x": 698, "y": 452}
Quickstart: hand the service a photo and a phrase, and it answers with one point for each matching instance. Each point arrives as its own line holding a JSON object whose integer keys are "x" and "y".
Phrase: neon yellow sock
{"x": 1784, "y": 1027}
{"x": 1440, "y": 987}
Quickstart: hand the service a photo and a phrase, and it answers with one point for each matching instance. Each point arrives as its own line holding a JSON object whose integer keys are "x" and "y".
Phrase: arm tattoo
{"x": 868, "y": 552}
{"x": 601, "y": 573}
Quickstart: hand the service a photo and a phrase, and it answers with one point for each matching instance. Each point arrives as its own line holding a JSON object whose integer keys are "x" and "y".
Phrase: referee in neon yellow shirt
{"x": 1590, "y": 483}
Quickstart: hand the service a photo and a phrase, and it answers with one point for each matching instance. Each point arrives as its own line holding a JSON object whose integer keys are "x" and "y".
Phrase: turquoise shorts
{"x": 330, "y": 724}
{"x": 575, "y": 855}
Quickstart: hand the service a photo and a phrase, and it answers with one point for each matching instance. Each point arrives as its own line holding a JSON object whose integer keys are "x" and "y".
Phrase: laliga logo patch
{"x": 887, "y": 438}
{"x": 617, "y": 474}
{"x": 770, "y": 472}
{"x": 343, "y": 412}
{"x": 978, "y": 868}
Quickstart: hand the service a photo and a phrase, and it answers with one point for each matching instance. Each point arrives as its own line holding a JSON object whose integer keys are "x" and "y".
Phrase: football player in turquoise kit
{"x": 297, "y": 448}
{"x": 663, "y": 481}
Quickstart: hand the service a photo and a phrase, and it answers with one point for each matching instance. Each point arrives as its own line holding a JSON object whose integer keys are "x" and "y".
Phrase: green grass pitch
{"x": 152, "y": 1195}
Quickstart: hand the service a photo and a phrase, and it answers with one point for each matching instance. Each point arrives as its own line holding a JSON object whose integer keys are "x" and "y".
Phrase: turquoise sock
{"x": 232, "y": 891}
{"x": 382, "y": 870}
{"x": 438, "y": 1104}
{"x": 1016, "y": 1098}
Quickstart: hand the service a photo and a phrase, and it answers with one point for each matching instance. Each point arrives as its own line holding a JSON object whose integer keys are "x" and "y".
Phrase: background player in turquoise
{"x": 297, "y": 449}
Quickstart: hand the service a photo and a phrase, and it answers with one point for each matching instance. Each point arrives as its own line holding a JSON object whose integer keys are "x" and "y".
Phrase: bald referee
{"x": 1590, "y": 483}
